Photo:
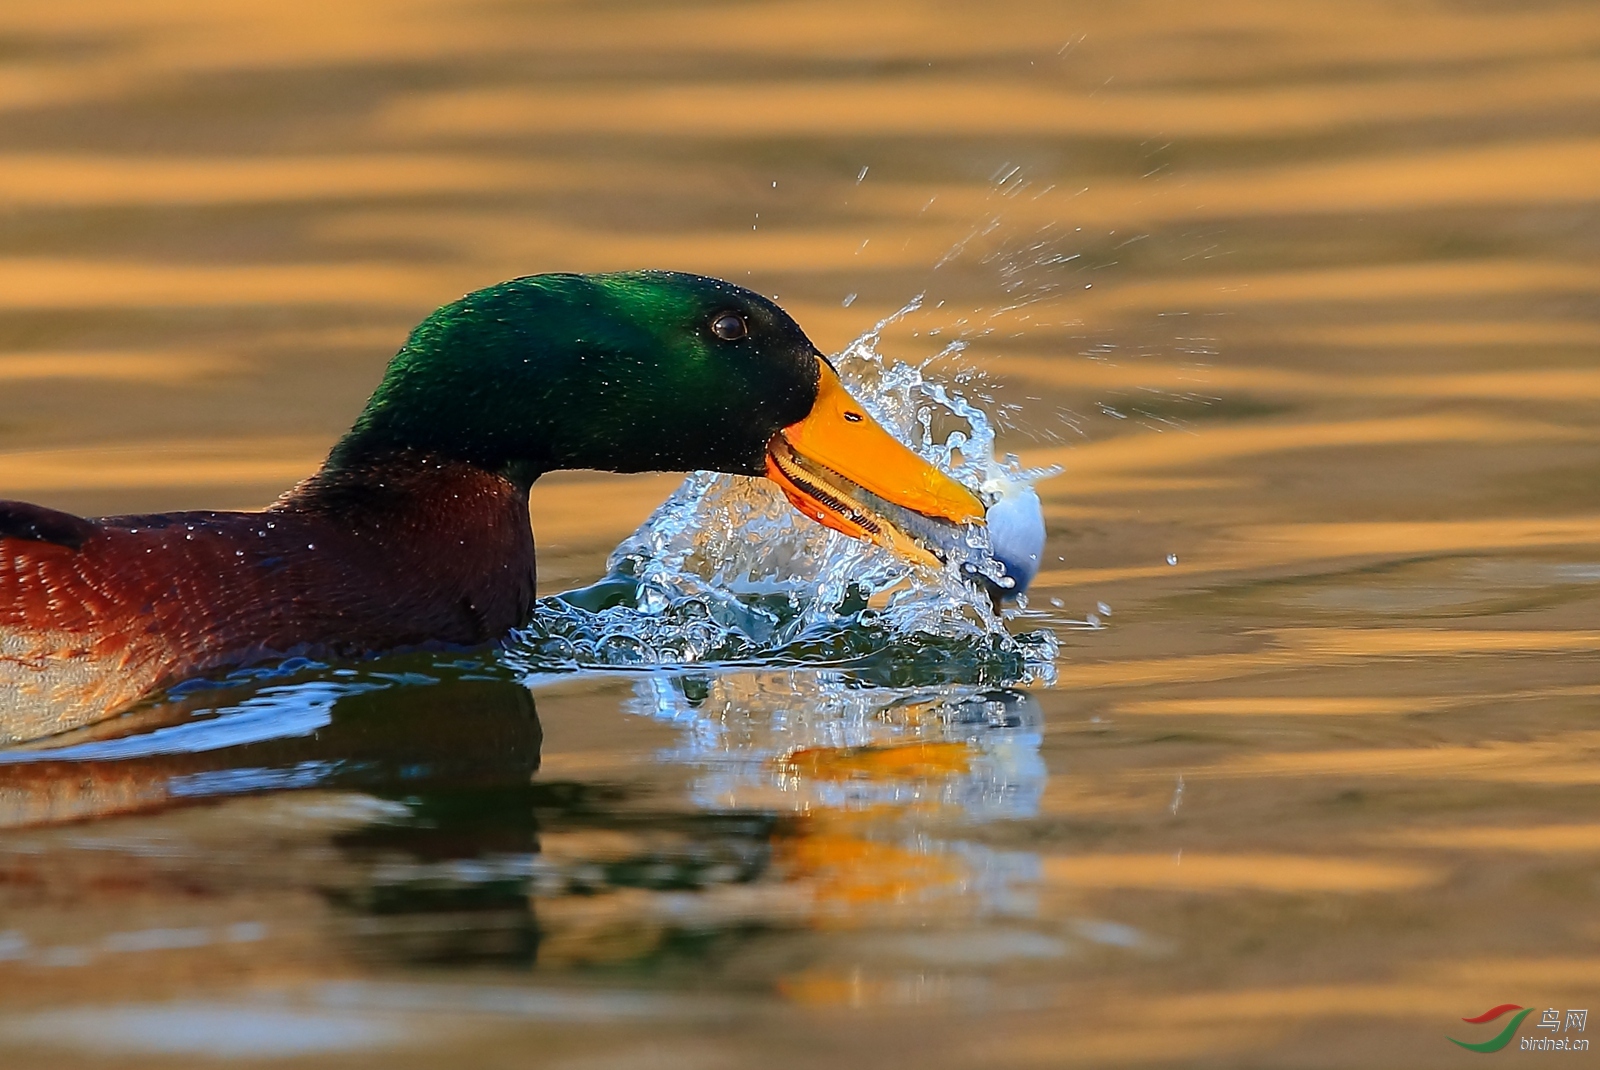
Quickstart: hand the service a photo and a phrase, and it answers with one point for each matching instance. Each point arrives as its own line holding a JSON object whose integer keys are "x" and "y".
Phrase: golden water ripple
{"x": 934, "y": 107}
{"x": 114, "y": 365}
{"x": 721, "y": 252}
{"x": 1286, "y": 705}
{"x": 1198, "y": 871}
{"x": 81, "y": 181}
{"x": 216, "y": 462}
{"x": 1531, "y": 384}
{"x": 40, "y": 283}
{"x": 1378, "y": 284}
{"x": 1534, "y": 839}
{"x": 1250, "y": 547}
{"x": 1306, "y": 647}
{"x": 1095, "y": 466}
{"x": 1572, "y": 759}
{"x": 1278, "y": 544}
{"x": 1477, "y": 176}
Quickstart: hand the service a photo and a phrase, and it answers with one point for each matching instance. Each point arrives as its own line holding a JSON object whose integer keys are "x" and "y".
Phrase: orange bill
{"x": 841, "y": 468}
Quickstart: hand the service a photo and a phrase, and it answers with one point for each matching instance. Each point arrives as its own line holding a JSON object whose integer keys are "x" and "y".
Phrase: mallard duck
{"x": 415, "y": 532}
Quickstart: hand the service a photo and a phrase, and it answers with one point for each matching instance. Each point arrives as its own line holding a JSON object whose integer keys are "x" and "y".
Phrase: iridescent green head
{"x": 627, "y": 372}
{"x": 642, "y": 371}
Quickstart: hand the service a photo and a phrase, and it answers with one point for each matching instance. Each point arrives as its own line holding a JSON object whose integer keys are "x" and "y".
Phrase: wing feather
{"x": 66, "y": 655}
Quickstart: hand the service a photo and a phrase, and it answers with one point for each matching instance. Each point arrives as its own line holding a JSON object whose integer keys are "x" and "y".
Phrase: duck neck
{"x": 449, "y": 544}
{"x": 356, "y": 486}
{"x": 365, "y": 476}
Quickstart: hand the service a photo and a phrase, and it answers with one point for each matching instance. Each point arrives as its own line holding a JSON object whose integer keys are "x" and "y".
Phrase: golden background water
{"x": 1306, "y": 296}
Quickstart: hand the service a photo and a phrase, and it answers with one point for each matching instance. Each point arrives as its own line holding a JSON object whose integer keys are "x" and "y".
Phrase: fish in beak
{"x": 841, "y": 468}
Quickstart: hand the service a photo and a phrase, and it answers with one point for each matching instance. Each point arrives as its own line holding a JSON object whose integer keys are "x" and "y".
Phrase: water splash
{"x": 725, "y": 570}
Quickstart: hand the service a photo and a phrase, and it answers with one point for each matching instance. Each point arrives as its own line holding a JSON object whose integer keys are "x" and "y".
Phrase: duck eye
{"x": 729, "y": 326}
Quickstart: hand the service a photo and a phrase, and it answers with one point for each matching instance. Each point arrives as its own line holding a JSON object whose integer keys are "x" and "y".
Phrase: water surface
{"x": 1303, "y": 298}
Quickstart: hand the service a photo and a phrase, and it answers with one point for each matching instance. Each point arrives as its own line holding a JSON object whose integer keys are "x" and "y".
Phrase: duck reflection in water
{"x": 448, "y": 769}
{"x": 815, "y": 798}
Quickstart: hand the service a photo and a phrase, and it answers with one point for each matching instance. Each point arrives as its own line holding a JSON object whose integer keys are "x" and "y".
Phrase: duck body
{"x": 416, "y": 532}
{"x": 98, "y": 613}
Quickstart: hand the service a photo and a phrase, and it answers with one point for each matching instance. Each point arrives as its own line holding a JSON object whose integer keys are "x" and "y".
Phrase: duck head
{"x": 649, "y": 371}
